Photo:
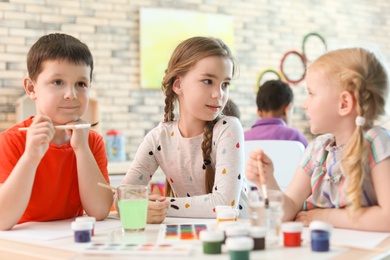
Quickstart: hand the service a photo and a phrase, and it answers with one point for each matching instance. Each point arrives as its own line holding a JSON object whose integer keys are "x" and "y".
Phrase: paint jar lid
{"x": 224, "y": 225}
{"x": 257, "y": 232}
{"x": 77, "y": 226}
{"x": 239, "y": 243}
{"x": 227, "y": 214}
{"x": 211, "y": 235}
{"x": 237, "y": 230}
{"x": 320, "y": 225}
{"x": 220, "y": 208}
{"x": 292, "y": 227}
{"x": 85, "y": 219}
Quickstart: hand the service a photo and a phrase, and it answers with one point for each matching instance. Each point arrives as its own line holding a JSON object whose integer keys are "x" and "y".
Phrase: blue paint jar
{"x": 87, "y": 219}
{"x": 320, "y": 235}
{"x": 82, "y": 231}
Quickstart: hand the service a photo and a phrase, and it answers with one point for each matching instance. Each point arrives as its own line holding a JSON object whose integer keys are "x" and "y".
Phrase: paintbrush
{"x": 63, "y": 127}
{"x": 106, "y": 186}
{"x": 262, "y": 182}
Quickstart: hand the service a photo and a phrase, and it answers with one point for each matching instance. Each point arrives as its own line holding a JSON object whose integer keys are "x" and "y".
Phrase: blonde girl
{"x": 201, "y": 152}
{"x": 344, "y": 174}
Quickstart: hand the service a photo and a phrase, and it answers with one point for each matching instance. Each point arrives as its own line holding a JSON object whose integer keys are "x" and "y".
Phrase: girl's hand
{"x": 308, "y": 216}
{"x": 157, "y": 209}
{"x": 39, "y": 135}
{"x": 252, "y": 170}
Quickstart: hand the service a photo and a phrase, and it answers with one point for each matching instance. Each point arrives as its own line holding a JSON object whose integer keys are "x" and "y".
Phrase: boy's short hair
{"x": 273, "y": 95}
{"x": 57, "y": 46}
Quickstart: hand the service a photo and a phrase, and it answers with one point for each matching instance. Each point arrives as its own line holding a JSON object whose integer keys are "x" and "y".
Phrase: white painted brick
{"x": 78, "y": 28}
{"x": 106, "y": 13}
{"x": 21, "y": 16}
{"x": 56, "y": 18}
{"x": 12, "y": 57}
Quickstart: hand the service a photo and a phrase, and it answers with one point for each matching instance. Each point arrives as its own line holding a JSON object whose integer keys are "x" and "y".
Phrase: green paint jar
{"x": 212, "y": 241}
{"x": 239, "y": 247}
{"x": 237, "y": 231}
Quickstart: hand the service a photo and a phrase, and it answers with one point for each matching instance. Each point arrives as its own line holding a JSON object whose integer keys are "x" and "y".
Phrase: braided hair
{"x": 184, "y": 57}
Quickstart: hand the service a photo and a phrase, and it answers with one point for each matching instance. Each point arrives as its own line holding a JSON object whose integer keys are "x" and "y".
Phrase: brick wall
{"x": 264, "y": 31}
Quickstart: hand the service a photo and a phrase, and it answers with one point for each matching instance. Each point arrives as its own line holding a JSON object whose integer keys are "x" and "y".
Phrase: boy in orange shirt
{"x": 48, "y": 174}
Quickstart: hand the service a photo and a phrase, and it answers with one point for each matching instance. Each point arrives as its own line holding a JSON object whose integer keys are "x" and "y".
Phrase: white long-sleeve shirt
{"x": 182, "y": 163}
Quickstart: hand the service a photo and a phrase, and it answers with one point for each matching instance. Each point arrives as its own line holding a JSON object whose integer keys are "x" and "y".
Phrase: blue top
{"x": 274, "y": 129}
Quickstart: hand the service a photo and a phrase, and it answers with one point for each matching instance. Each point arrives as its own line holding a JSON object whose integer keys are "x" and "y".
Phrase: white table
{"x": 64, "y": 247}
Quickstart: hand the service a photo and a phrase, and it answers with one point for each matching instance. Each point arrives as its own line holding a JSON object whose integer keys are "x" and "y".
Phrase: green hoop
{"x": 307, "y": 36}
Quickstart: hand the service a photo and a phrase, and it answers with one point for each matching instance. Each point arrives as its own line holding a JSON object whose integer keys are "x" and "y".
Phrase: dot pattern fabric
{"x": 182, "y": 162}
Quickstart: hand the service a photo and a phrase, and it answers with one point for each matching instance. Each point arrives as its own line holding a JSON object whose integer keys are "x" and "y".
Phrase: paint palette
{"x": 181, "y": 232}
{"x": 138, "y": 249}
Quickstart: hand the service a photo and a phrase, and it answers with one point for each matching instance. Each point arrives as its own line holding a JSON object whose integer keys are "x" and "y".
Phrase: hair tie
{"x": 360, "y": 121}
{"x": 207, "y": 161}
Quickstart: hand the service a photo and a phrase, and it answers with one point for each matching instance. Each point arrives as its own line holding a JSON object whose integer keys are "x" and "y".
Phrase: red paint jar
{"x": 292, "y": 233}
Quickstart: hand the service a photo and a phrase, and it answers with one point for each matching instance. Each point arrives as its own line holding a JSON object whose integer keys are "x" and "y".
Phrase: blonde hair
{"x": 184, "y": 57}
{"x": 361, "y": 73}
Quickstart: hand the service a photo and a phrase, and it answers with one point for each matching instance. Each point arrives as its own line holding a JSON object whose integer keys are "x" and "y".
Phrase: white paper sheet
{"x": 51, "y": 230}
{"x": 353, "y": 238}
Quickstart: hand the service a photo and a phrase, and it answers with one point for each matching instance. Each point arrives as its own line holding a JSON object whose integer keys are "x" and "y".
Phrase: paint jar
{"x": 115, "y": 146}
{"x": 226, "y": 215}
{"x": 320, "y": 234}
{"x": 224, "y": 225}
{"x": 88, "y": 219}
{"x": 258, "y": 235}
{"x": 237, "y": 231}
{"x": 212, "y": 241}
{"x": 292, "y": 233}
{"x": 82, "y": 231}
{"x": 239, "y": 247}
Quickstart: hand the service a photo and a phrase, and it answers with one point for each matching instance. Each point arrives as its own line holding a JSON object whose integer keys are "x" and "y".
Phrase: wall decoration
{"x": 293, "y": 64}
{"x": 161, "y": 30}
{"x": 268, "y": 74}
{"x": 290, "y": 68}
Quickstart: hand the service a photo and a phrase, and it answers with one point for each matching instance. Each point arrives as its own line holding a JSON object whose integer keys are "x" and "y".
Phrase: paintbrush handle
{"x": 106, "y": 186}
{"x": 78, "y": 126}
{"x": 63, "y": 127}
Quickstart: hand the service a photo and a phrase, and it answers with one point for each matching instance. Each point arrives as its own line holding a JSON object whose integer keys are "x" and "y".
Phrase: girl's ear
{"x": 29, "y": 88}
{"x": 176, "y": 86}
{"x": 347, "y": 103}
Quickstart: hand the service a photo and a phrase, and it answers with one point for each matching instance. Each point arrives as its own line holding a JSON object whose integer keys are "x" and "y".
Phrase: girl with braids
{"x": 201, "y": 153}
{"x": 344, "y": 175}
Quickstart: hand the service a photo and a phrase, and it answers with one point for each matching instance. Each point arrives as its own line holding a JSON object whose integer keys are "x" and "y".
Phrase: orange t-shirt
{"x": 55, "y": 194}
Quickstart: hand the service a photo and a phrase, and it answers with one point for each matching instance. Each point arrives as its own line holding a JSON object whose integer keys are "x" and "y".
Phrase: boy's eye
{"x": 58, "y": 82}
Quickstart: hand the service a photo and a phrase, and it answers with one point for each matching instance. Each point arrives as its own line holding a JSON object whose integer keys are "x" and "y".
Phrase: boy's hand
{"x": 78, "y": 137}
{"x": 39, "y": 135}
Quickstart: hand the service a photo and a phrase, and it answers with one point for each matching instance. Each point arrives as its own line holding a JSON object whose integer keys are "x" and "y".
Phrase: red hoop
{"x": 303, "y": 59}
